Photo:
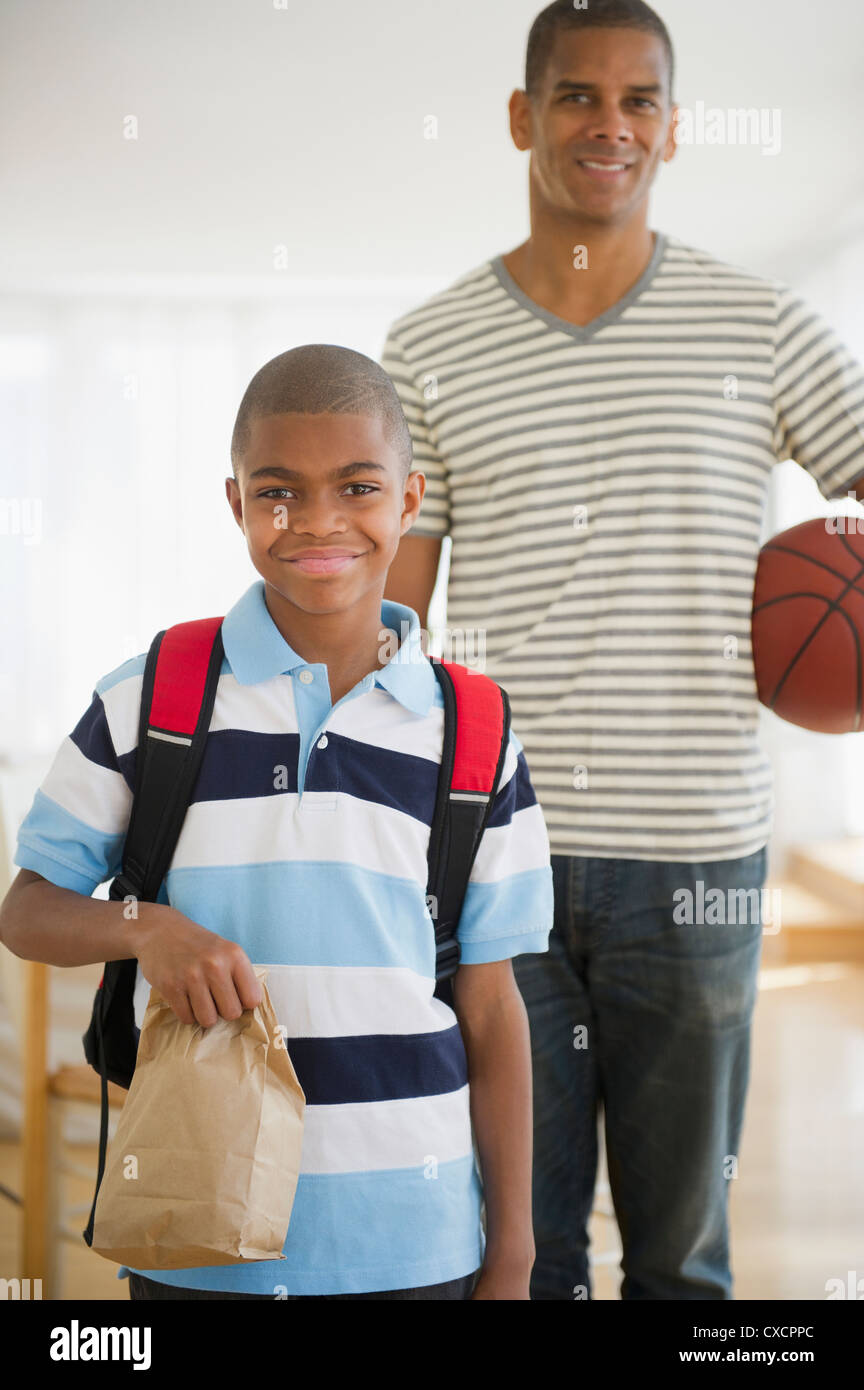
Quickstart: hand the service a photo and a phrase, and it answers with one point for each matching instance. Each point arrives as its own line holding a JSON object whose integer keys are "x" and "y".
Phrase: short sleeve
{"x": 74, "y": 832}
{"x": 434, "y": 517}
{"x": 818, "y": 398}
{"x": 509, "y": 904}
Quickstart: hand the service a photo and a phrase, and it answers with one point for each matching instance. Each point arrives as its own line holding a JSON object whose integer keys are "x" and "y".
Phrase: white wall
{"x": 304, "y": 125}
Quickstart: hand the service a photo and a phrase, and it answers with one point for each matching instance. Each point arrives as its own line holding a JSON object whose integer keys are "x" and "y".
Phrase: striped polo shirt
{"x": 306, "y": 842}
{"x": 604, "y": 489}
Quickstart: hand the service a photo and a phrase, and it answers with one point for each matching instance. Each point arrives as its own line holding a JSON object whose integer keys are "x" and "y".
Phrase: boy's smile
{"x": 329, "y": 561}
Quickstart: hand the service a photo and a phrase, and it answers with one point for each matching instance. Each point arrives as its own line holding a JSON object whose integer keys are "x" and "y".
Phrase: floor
{"x": 797, "y": 1206}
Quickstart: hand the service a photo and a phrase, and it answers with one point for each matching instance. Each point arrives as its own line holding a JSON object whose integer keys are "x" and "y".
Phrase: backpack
{"x": 179, "y": 689}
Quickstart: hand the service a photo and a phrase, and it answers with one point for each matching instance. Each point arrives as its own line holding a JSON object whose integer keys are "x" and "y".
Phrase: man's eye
{"x": 577, "y": 96}
{"x": 272, "y": 490}
{"x": 367, "y": 487}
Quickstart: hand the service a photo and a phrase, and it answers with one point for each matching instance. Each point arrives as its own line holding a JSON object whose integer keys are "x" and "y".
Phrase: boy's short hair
{"x": 599, "y": 14}
{"x": 323, "y": 378}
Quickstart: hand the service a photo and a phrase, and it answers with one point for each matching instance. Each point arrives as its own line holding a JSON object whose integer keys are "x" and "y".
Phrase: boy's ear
{"x": 415, "y": 486}
{"x": 235, "y": 501}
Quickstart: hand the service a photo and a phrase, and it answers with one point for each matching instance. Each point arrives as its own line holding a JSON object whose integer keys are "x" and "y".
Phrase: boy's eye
{"x": 273, "y": 491}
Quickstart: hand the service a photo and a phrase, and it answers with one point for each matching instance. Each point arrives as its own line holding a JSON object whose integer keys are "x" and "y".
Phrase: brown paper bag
{"x": 203, "y": 1166}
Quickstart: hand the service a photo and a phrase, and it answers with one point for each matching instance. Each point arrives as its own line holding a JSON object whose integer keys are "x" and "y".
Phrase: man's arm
{"x": 818, "y": 395}
{"x": 412, "y": 575}
{"x": 414, "y": 570}
{"x": 494, "y": 1027}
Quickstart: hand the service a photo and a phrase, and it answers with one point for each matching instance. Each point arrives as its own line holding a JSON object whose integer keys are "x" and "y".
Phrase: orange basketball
{"x": 808, "y": 624}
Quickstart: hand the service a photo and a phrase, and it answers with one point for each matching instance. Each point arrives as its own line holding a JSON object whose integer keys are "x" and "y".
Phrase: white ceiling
{"x": 302, "y": 126}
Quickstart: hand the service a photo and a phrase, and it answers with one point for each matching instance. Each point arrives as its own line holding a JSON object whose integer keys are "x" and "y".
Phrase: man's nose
{"x": 608, "y": 122}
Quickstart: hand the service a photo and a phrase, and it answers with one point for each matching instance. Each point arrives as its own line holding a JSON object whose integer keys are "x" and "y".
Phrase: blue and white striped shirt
{"x": 306, "y": 842}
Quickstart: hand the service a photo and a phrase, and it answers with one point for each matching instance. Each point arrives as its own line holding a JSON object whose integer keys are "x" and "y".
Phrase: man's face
{"x": 325, "y": 483}
{"x": 603, "y": 97}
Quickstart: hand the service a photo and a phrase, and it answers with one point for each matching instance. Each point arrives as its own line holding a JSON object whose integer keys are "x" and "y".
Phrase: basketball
{"x": 808, "y": 624}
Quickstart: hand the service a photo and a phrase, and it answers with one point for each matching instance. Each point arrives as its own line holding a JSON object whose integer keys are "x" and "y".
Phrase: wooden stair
{"x": 821, "y": 903}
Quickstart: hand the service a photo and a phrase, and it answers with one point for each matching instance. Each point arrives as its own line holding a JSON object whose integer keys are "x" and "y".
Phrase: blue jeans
{"x": 648, "y": 1017}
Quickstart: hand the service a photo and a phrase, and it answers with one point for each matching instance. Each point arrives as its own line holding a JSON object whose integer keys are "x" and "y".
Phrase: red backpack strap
{"x": 476, "y": 737}
{"x": 184, "y": 658}
{"x": 177, "y": 697}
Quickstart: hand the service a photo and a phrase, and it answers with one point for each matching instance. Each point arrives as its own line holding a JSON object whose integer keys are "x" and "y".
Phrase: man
{"x": 597, "y": 413}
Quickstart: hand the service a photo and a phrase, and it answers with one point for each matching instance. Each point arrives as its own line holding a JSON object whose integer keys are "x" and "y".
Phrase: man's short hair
{"x": 598, "y": 14}
{"x": 323, "y": 378}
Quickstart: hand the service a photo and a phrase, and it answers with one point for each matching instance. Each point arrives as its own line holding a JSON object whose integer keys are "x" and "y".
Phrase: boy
{"x": 304, "y": 848}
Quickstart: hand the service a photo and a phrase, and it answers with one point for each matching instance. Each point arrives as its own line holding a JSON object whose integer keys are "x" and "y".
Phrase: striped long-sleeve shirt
{"x": 603, "y": 487}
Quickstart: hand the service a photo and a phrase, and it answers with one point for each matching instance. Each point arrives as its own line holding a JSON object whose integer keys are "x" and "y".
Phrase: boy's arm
{"x": 494, "y": 1027}
{"x": 41, "y": 921}
{"x": 200, "y": 974}
{"x": 508, "y": 910}
{"x": 72, "y": 840}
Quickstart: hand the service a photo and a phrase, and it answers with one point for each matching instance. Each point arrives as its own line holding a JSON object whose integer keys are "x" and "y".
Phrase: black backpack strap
{"x": 476, "y": 737}
{"x": 180, "y": 680}
{"x": 177, "y": 697}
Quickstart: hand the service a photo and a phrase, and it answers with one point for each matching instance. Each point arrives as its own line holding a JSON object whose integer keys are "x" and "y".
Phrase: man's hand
{"x": 200, "y": 974}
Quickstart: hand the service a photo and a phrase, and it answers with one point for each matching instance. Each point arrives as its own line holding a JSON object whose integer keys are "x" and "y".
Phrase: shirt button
{"x": 322, "y": 742}
{"x": 306, "y": 676}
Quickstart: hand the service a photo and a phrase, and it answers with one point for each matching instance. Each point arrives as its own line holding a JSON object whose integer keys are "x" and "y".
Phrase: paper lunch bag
{"x": 203, "y": 1166}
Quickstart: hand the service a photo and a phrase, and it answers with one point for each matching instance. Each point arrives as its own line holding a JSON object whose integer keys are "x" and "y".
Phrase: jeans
{"x": 461, "y": 1288}
{"x": 649, "y": 1018}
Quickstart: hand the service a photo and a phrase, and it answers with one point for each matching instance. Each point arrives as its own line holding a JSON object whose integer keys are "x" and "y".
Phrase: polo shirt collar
{"x": 257, "y": 651}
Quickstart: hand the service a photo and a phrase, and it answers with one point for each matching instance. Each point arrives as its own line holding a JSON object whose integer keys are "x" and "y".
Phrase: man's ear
{"x": 520, "y": 119}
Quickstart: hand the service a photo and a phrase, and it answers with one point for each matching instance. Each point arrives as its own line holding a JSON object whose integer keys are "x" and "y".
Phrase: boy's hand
{"x": 510, "y": 1282}
{"x": 200, "y": 974}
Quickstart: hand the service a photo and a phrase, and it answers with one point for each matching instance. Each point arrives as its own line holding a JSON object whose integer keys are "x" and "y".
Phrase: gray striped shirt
{"x": 604, "y": 488}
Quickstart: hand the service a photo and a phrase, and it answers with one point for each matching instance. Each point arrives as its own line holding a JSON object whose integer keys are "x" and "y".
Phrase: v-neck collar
{"x": 583, "y": 331}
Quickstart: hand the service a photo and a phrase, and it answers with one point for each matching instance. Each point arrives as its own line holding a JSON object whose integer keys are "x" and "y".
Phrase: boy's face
{"x": 325, "y": 483}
